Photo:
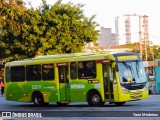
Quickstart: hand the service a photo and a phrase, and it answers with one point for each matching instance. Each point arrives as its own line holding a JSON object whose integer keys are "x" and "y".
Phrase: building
{"x": 106, "y": 37}
{"x": 132, "y": 28}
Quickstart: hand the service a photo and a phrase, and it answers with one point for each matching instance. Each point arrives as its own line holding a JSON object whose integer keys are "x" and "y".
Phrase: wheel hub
{"x": 96, "y": 98}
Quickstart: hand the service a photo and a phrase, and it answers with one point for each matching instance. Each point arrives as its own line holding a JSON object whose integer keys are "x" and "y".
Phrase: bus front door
{"x": 108, "y": 81}
{"x": 63, "y": 83}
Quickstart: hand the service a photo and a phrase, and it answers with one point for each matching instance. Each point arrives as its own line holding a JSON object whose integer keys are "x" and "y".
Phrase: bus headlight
{"x": 124, "y": 90}
{"x": 144, "y": 89}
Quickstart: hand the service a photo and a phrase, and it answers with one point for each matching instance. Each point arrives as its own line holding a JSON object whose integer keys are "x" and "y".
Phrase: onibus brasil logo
{"x": 9, "y": 115}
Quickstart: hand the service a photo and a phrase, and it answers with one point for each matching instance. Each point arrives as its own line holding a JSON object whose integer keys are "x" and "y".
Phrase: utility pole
{"x": 143, "y": 32}
{"x": 117, "y": 30}
{"x": 140, "y": 39}
{"x": 146, "y": 38}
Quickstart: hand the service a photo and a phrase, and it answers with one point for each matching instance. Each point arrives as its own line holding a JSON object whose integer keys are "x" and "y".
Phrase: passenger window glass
{"x": 33, "y": 72}
{"x": 73, "y": 70}
{"x": 86, "y": 69}
{"x": 17, "y": 73}
{"x": 48, "y": 72}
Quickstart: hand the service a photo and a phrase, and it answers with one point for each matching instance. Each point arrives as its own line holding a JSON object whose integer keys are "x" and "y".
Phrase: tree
{"x": 153, "y": 51}
{"x": 60, "y": 28}
{"x": 65, "y": 28}
{"x": 18, "y": 30}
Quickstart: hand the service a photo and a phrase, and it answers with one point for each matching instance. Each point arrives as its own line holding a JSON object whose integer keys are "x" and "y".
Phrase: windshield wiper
{"x": 137, "y": 67}
{"x": 128, "y": 67}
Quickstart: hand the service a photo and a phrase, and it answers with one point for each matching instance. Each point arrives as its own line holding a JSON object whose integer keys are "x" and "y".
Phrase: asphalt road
{"x": 145, "y": 109}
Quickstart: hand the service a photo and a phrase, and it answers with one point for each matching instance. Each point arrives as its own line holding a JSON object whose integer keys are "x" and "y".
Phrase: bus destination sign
{"x": 131, "y": 57}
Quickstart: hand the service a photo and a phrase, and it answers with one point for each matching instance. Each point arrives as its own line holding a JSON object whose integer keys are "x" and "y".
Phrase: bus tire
{"x": 38, "y": 99}
{"x": 119, "y": 103}
{"x": 62, "y": 104}
{"x": 94, "y": 99}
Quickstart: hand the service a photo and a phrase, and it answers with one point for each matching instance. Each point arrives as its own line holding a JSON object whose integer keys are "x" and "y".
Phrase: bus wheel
{"x": 119, "y": 103}
{"x": 94, "y": 99}
{"x": 62, "y": 104}
{"x": 38, "y": 99}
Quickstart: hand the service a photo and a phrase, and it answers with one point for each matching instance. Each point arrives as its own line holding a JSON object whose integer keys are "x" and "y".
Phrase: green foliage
{"x": 18, "y": 30}
{"x": 153, "y": 52}
{"x": 65, "y": 28}
{"x": 60, "y": 28}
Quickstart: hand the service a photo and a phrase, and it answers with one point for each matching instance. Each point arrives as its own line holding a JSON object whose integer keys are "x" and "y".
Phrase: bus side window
{"x": 86, "y": 69}
{"x": 90, "y": 69}
{"x": 80, "y": 70}
{"x": 33, "y": 72}
{"x": 73, "y": 70}
{"x": 7, "y": 74}
{"x": 48, "y": 72}
{"x": 17, "y": 73}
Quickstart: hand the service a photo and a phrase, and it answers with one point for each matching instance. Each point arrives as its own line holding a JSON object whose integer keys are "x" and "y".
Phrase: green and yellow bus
{"x": 78, "y": 77}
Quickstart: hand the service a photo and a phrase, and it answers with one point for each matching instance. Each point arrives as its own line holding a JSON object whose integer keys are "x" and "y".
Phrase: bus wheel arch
{"x": 94, "y": 98}
{"x": 37, "y": 98}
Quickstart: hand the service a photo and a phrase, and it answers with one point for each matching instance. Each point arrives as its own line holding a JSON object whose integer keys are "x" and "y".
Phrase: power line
{"x": 130, "y": 34}
{"x": 120, "y": 35}
{"x": 154, "y": 37}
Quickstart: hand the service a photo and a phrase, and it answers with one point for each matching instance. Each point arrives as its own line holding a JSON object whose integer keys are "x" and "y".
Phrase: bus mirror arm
{"x": 116, "y": 67}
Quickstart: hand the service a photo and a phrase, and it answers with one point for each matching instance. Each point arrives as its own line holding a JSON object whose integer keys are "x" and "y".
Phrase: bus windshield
{"x": 131, "y": 72}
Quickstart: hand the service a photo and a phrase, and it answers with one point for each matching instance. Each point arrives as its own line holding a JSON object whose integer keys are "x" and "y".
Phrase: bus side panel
{"x": 79, "y": 88}
{"x": 48, "y": 90}
{"x": 14, "y": 92}
{"x": 24, "y": 91}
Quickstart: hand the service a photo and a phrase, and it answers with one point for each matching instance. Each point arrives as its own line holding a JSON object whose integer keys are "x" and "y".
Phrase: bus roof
{"x": 56, "y": 56}
{"x": 59, "y": 58}
{"x": 67, "y": 58}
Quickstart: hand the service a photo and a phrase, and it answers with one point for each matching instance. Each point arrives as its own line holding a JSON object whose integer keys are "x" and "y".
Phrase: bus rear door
{"x": 63, "y": 81}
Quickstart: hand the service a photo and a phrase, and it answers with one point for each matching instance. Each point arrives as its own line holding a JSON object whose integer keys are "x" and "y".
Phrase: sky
{"x": 107, "y": 10}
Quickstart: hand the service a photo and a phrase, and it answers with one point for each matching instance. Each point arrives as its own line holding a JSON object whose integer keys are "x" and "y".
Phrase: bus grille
{"x": 136, "y": 96}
